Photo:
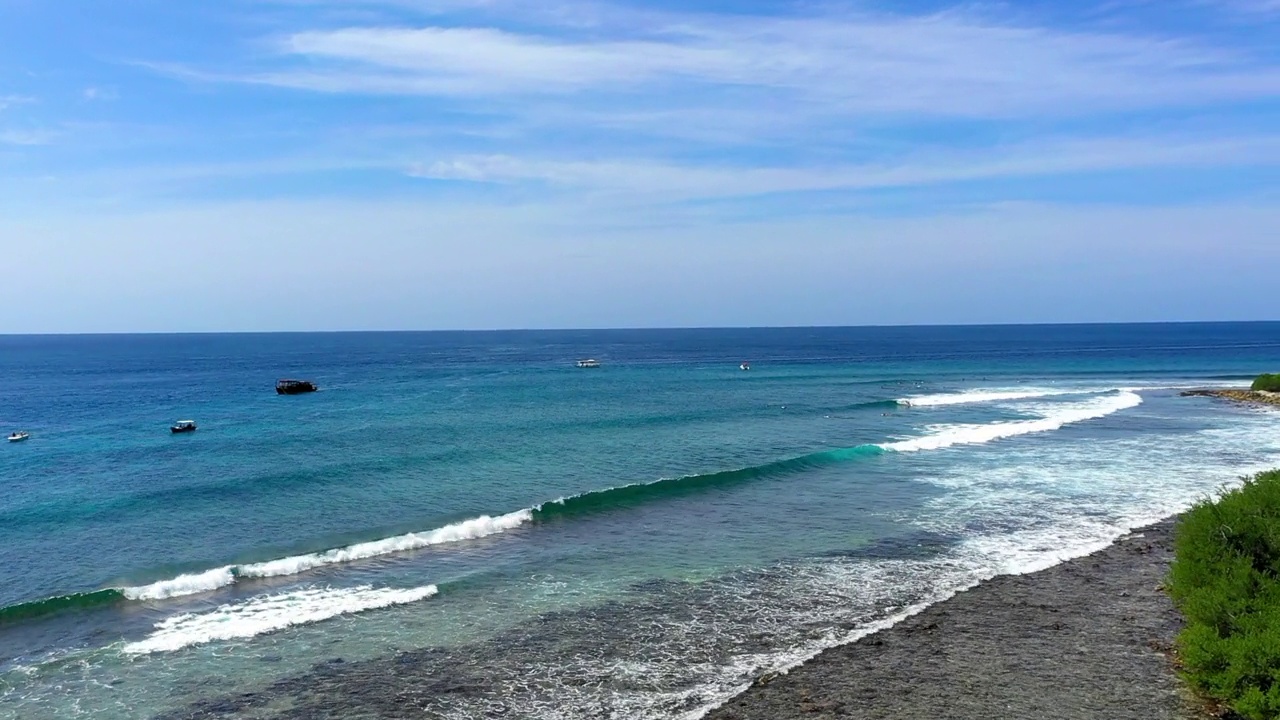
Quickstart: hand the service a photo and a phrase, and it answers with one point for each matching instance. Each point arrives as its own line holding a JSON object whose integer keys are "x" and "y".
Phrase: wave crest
{"x": 60, "y": 603}
{"x": 472, "y": 529}
{"x": 628, "y": 495}
{"x": 950, "y": 435}
{"x": 270, "y": 613}
{"x": 982, "y": 396}
{"x": 189, "y": 584}
{"x": 608, "y": 499}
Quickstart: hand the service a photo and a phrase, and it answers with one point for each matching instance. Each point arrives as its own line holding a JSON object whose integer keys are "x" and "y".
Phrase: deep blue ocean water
{"x": 479, "y": 495}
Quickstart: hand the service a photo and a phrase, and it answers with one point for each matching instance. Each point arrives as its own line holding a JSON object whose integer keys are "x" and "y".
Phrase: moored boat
{"x": 183, "y": 426}
{"x": 295, "y": 387}
{"x": 18, "y": 436}
{"x": 589, "y": 363}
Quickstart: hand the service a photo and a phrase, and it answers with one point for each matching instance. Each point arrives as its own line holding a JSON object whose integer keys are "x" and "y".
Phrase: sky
{"x": 264, "y": 165}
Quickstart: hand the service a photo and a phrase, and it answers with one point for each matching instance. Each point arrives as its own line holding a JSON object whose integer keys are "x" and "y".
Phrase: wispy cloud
{"x": 92, "y": 94}
{"x": 676, "y": 181}
{"x": 605, "y": 97}
{"x": 8, "y": 101}
{"x": 641, "y": 179}
{"x": 26, "y": 137}
{"x": 949, "y": 64}
{"x": 569, "y": 149}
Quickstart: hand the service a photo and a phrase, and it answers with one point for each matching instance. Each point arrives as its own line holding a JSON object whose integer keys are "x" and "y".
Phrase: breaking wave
{"x": 949, "y": 435}
{"x": 270, "y": 613}
{"x": 190, "y": 584}
{"x": 467, "y": 530}
{"x": 609, "y": 499}
{"x": 982, "y": 396}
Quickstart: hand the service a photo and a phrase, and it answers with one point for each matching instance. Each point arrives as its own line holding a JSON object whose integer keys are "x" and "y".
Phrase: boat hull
{"x": 295, "y": 387}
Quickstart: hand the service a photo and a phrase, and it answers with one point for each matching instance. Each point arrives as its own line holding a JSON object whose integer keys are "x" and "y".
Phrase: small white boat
{"x": 745, "y": 366}
{"x": 18, "y": 436}
{"x": 183, "y": 426}
{"x": 589, "y": 363}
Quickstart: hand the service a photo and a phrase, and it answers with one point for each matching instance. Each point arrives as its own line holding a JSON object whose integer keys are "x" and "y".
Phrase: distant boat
{"x": 745, "y": 366}
{"x": 295, "y": 387}
{"x": 589, "y": 363}
{"x": 18, "y": 436}
{"x": 183, "y": 426}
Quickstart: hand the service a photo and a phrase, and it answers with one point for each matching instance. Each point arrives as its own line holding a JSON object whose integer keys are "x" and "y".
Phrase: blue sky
{"x": 421, "y": 164}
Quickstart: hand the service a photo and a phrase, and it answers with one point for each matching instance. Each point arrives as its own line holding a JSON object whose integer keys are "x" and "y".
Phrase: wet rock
{"x": 1083, "y": 640}
{"x": 1253, "y": 397}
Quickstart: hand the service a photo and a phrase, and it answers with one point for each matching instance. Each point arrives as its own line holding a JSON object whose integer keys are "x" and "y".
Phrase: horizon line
{"x": 651, "y": 328}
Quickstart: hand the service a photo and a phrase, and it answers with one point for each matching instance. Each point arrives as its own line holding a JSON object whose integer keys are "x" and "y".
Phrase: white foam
{"x": 194, "y": 583}
{"x": 189, "y": 584}
{"x": 982, "y": 396}
{"x": 784, "y": 662}
{"x": 1032, "y": 550}
{"x": 270, "y": 613}
{"x": 1023, "y": 509}
{"x": 472, "y": 529}
{"x": 945, "y": 436}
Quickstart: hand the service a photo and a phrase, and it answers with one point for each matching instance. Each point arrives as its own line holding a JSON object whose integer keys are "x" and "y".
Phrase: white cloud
{"x": 645, "y": 180}
{"x": 484, "y": 60}
{"x": 677, "y": 181}
{"x": 8, "y": 101}
{"x": 946, "y": 64}
{"x": 25, "y": 137}
{"x": 92, "y": 94}
{"x": 666, "y": 106}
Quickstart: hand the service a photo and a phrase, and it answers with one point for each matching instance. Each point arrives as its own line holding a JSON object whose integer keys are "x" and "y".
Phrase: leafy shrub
{"x": 1269, "y": 383}
{"x": 1225, "y": 579}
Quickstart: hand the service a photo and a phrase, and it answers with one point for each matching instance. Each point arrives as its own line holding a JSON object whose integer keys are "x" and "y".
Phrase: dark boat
{"x": 295, "y": 387}
{"x": 183, "y": 426}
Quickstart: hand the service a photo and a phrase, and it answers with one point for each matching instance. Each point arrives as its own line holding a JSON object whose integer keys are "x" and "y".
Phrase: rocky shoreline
{"x": 1253, "y": 397}
{"x": 1090, "y": 638}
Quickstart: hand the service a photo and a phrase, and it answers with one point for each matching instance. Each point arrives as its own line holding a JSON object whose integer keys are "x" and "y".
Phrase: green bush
{"x": 1225, "y": 579}
{"x": 1269, "y": 383}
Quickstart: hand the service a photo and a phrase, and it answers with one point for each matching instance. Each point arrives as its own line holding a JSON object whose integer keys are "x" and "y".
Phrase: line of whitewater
{"x": 945, "y": 436}
{"x": 985, "y": 396}
{"x": 472, "y": 529}
{"x": 270, "y": 613}
{"x": 220, "y": 577}
{"x": 614, "y": 498}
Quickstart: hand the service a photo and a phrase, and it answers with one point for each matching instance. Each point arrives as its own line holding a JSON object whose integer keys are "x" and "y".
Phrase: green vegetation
{"x": 1268, "y": 383}
{"x": 1226, "y": 581}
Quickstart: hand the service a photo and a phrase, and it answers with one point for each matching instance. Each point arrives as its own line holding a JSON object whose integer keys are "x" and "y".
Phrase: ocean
{"x": 467, "y": 525}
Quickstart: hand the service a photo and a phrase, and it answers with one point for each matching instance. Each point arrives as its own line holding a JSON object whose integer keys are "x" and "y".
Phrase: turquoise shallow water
{"x": 636, "y": 540}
